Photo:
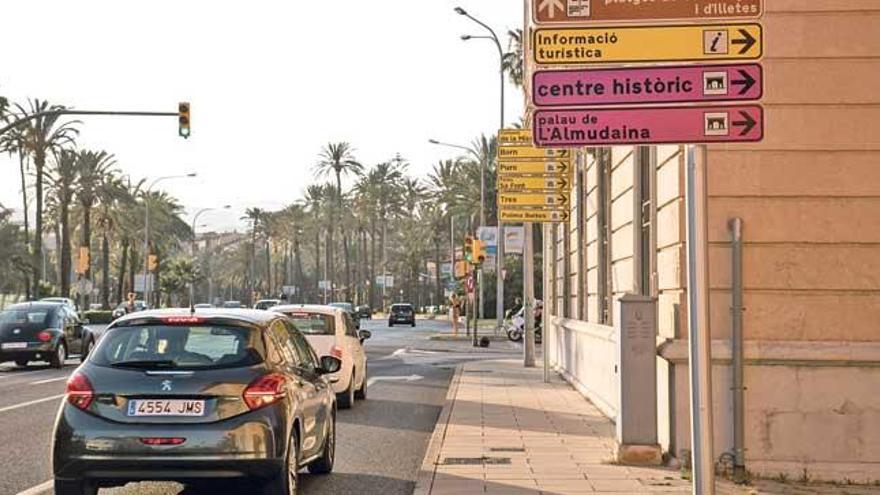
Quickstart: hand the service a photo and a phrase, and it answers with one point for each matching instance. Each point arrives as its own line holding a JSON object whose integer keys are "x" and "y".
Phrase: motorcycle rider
{"x": 517, "y": 305}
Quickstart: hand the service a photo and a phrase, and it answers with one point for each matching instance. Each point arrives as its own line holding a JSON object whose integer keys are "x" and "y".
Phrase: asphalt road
{"x": 381, "y": 441}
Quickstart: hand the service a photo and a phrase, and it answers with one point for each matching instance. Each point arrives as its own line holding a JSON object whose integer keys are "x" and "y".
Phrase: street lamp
{"x": 192, "y": 289}
{"x": 147, "y": 228}
{"x": 499, "y": 306}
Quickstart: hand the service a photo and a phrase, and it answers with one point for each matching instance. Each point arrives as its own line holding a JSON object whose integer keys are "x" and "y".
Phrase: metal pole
{"x": 529, "y": 296}
{"x": 699, "y": 335}
{"x": 739, "y": 470}
{"x": 147, "y": 248}
{"x": 37, "y": 115}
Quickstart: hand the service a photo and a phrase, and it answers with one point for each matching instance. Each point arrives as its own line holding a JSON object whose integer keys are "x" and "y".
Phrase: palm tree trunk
{"x": 135, "y": 262}
{"x": 105, "y": 273}
{"x": 347, "y": 265}
{"x": 65, "y": 249}
{"x": 317, "y": 261}
{"x": 24, "y": 201}
{"x": 39, "y": 164}
{"x": 372, "y": 263}
{"x": 120, "y": 287}
{"x": 269, "y": 288}
{"x": 438, "y": 287}
{"x": 87, "y": 243}
{"x": 299, "y": 280}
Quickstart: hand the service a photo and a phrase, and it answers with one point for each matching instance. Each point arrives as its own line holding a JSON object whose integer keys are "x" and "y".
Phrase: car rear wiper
{"x": 145, "y": 364}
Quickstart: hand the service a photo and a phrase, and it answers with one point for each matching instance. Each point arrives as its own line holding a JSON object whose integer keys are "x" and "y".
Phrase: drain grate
{"x": 472, "y": 461}
{"x": 507, "y": 449}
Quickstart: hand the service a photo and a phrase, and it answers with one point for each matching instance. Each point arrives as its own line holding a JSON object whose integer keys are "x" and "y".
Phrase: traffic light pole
{"x": 28, "y": 118}
{"x": 477, "y": 269}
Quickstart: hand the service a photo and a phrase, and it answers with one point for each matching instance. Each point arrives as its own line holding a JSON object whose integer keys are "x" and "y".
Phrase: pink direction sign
{"x": 643, "y": 85}
{"x": 648, "y": 125}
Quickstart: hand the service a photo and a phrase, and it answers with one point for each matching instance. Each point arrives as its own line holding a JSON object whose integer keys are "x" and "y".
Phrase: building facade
{"x": 808, "y": 197}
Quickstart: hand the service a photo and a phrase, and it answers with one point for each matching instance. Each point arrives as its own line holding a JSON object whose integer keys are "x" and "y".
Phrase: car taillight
{"x": 44, "y": 336}
{"x": 264, "y": 391}
{"x": 79, "y": 391}
{"x": 336, "y": 351}
{"x": 162, "y": 441}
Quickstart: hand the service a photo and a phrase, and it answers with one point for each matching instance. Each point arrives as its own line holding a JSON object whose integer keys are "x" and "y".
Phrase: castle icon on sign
{"x": 715, "y": 83}
{"x": 717, "y": 123}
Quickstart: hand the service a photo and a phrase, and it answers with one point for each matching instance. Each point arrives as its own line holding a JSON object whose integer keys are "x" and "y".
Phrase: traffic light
{"x": 469, "y": 249}
{"x": 183, "y": 118}
{"x": 153, "y": 262}
{"x": 479, "y": 255}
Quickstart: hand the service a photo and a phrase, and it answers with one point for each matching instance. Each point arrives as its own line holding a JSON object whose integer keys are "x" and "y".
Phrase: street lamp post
{"x": 147, "y": 229}
{"x": 499, "y": 305}
{"x": 192, "y": 284}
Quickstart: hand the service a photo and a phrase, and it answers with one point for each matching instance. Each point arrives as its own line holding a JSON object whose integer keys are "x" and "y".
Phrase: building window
{"x": 605, "y": 291}
{"x": 646, "y": 216}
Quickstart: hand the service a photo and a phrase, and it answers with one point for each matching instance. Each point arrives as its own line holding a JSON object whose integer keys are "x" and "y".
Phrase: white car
{"x": 332, "y": 332}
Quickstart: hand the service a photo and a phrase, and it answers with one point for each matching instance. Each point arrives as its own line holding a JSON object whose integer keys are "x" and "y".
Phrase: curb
{"x": 425, "y": 480}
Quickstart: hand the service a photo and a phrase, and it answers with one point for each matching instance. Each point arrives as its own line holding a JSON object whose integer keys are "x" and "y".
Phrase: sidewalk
{"x": 503, "y": 430}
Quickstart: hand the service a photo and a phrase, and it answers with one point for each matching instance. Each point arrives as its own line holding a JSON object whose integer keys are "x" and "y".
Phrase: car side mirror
{"x": 329, "y": 364}
{"x": 364, "y": 335}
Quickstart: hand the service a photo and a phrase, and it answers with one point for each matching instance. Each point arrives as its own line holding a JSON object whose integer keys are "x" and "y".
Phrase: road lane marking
{"x": 410, "y": 378}
{"x": 42, "y": 487}
{"x": 30, "y": 403}
{"x": 50, "y": 380}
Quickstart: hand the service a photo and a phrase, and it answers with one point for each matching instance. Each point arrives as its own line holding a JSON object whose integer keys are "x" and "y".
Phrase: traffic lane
{"x": 26, "y": 435}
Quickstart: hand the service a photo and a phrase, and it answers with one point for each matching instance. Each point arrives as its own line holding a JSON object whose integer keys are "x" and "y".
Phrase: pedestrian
{"x": 455, "y": 309}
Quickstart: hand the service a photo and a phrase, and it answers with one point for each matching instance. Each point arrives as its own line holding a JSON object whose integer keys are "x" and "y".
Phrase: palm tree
{"x": 62, "y": 182}
{"x": 129, "y": 222}
{"x": 512, "y": 60}
{"x": 168, "y": 231}
{"x": 93, "y": 170}
{"x": 338, "y": 159}
{"x": 113, "y": 194}
{"x": 254, "y": 216}
{"x": 315, "y": 198}
{"x": 42, "y": 137}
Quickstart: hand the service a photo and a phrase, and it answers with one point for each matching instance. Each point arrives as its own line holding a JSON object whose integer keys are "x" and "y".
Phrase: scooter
{"x": 517, "y": 326}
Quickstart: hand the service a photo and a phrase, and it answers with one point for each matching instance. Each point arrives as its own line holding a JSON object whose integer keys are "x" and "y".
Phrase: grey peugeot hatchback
{"x": 175, "y": 395}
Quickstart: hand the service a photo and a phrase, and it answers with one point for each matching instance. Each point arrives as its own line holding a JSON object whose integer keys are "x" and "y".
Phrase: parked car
{"x": 43, "y": 331}
{"x": 402, "y": 313}
{"x": 364, "y": 312}
{"x": 70, "y": 303}
{"x": 203, "y": 306}
{"x": 349, "y": 308}
{"x": 267, "y": 303}
{"x": 330, "y": 330}
{"x": 122, "y": 309}
{"x": 233, "y": 305}
{"x": 169, "y": 395}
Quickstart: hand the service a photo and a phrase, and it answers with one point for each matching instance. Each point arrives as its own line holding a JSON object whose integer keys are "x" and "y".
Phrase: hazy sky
{"x": 270, "y": 82}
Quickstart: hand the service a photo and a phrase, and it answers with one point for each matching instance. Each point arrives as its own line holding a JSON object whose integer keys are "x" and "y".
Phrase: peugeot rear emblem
{"x": 166, "y": 385}
{"x": 16, "y": 331}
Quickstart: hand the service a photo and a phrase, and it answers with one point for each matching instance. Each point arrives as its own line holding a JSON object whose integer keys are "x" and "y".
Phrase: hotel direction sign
{"x": 585, "y": 11}
{"x": 536, "y": 215}
{"x": 647, "y": 44}
{"x": 648, "y": 125}
{"x": 646, "y": 85}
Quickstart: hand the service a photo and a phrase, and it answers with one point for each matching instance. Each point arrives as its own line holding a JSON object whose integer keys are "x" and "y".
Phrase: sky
{"x": 269, "y": 82}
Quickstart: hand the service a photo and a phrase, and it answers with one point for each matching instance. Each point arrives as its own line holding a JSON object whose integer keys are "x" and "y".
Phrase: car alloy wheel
{"x": 324, "y": 464}
{"x": 293, "y": 467}
{"x": 60, "y": 355}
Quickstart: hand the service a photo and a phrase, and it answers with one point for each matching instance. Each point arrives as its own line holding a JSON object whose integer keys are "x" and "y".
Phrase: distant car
{"x": 364, "y": 312}
{"x": 402, "y": 313}
{"x": 122, "y": 309}
{"x": 267, "y": 303}
{"x": 95, "y": 307}
{"x": 203, "y": 306}
{"x": 331, "y": 331}
{"x": 43, "y": 331}
{"x": 70, "y": 303}
{"x": 171, "y": 396}
{"x": 349, "y": 308}
{"x": 233, "y": 305}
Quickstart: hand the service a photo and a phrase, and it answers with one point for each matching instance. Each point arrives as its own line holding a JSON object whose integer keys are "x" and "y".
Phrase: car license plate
{"x": 14, "y": 345}
{"x": 166, "y": 407}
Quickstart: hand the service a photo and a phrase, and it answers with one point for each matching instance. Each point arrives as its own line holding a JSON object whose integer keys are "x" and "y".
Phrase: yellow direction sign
{"x": 510, "y": 153}
{"x": 532, "y": 199}
{"x": 540, "y": 183}
{"x": 532, "y": 215}
{"x": 668, "y": 43}
{"x": 562, "y": 167}
{"x": 515, "y": 137}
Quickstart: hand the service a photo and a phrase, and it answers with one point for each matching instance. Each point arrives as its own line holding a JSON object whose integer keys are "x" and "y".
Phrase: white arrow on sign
{"x": 410, "y": 378}
{"x": 552, "y": 5}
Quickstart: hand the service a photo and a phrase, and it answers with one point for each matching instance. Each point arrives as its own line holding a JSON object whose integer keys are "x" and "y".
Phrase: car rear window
{"x": 180, "y": 347}
{"x": 314, "y": 323}
{"x": 24, "y": 316}
{"x": 401, "y": 309}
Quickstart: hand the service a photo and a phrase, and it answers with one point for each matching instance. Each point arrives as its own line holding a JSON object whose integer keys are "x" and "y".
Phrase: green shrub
{"x": 99, "y": 317}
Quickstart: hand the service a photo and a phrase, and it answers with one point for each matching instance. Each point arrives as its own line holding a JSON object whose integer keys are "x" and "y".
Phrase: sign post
{"x": 706, "y": 91}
